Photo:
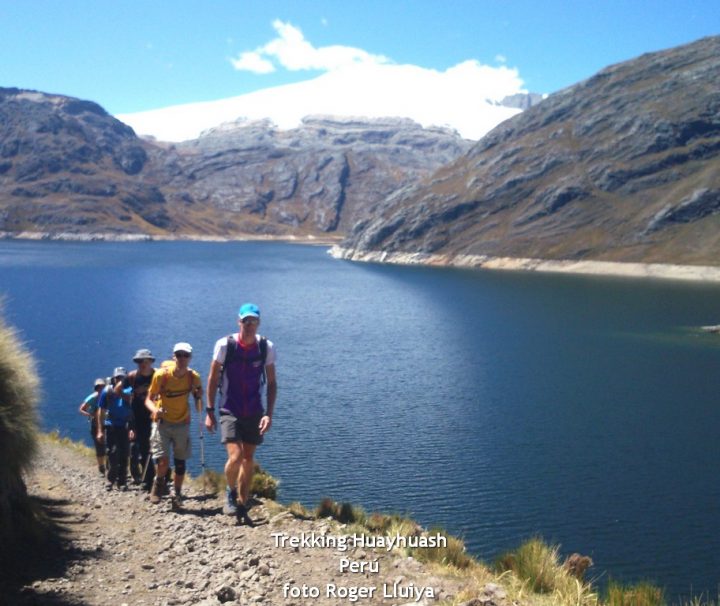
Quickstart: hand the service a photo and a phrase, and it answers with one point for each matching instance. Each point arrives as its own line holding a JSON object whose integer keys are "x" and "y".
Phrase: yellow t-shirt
{"x": 174, "y": 393}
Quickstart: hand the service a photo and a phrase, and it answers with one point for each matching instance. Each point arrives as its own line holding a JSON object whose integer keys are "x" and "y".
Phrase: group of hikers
{"x": 142, "y": 418}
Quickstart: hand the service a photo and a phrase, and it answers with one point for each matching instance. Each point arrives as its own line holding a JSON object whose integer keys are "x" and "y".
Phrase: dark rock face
{"x": 66, "y": 165}
{"x": 623, "y": 166}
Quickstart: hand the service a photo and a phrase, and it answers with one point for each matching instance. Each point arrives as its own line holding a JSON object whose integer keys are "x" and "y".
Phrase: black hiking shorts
{"x": 243, "y": 429}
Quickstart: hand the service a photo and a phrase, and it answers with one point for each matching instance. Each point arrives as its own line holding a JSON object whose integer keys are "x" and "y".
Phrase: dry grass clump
{"x": 642, "y": 594}
{"x": 299, "y": 511}
{"x": 19, "y": 387}
{"x": 345, "y": 513}
{"x": 536, "y": 562}
{"x": 453, "y": 554}
{"x": 263, "y": 484}
{"x": 77, "y": 446}
{"x": 213, "y": 482}
{"x": 539, "y": 569}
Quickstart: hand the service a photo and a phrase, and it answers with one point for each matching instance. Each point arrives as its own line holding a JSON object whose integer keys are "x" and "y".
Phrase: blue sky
{"x": 131, "y": 55}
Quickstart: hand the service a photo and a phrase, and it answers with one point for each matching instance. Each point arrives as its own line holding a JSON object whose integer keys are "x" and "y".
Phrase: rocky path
{"x": 120, "y": 549}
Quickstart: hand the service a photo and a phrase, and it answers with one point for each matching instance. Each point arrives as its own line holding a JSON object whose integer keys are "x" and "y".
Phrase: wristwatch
{"x": 209, "y": 409}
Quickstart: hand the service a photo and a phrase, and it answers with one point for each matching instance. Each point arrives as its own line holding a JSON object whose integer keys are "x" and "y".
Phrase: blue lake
{"x": 498, "y": 405}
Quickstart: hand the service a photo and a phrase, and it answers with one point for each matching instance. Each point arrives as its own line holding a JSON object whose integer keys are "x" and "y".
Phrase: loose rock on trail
{"x": 117, "y": 548}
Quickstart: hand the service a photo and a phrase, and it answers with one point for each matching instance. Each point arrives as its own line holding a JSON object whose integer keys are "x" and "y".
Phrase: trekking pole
{"x": 202, "y": 453}
{"x": 145, "y": 469}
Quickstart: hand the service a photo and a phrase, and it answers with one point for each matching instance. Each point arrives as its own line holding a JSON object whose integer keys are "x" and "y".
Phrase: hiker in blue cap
{"x": 118, "y": 427}
{"x": 242, "y": 363}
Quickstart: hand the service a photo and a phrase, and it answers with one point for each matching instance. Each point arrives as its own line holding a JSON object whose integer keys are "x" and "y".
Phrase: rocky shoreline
{"x": 140, "y": 237}
{"x": 701, "y": 273}
{"x": 123, "y": 550}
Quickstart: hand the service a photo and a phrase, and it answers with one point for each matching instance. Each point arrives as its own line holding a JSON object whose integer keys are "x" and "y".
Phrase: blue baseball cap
{"x": 249, "y": 310}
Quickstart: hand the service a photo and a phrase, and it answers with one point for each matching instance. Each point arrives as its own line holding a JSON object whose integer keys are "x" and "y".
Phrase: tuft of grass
{"x": 300, "y": 511}
{"x": 345, "y": 513}
{"x": 452, "y": 554}
{"x": 326, "y": 508}
{"x": 210, "y": 481}
{"x": 699, "y": 601}
{"x": 539, "y": 564}
{"x": 213, "y": 482}
{"x": 378, "y": 523}
{"x": 78, "y": 446}
{"x": 19, "y": 393}
{"x": 263, "y": 484}
{"x": 641, "y": 594}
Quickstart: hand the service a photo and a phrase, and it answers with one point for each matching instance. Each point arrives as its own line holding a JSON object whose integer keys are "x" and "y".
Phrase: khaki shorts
{"x": 166, "y": 435}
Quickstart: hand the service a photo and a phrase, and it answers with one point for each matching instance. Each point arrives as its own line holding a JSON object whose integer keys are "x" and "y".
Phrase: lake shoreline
{"x": 662, "y": 271}
{"x": 140, "y": 237}
{"x": 665, "y": 271}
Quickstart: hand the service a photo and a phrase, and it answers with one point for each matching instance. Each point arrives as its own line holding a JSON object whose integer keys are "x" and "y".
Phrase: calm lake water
{"x": 498, "y": 405}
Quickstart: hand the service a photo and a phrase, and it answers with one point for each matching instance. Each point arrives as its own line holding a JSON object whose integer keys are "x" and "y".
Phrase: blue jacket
{"x": 119, "y": 412}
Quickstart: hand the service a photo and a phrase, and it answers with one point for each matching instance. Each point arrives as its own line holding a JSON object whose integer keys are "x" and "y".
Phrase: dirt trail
{"x": 119, "y": 549}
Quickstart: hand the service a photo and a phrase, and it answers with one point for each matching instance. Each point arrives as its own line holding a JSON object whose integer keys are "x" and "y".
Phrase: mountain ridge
{"x": 68, "y": 167}
{"x": 624, "y": 166}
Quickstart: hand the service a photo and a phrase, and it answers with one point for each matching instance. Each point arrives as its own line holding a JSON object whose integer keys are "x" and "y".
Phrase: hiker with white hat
{"x": 168, "y": 400}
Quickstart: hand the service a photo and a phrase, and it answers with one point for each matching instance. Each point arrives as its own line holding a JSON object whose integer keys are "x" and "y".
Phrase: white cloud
{"x": 462, "y": 97}
{"x": 354, "y": 83}
{"x": 501, "y": 58}
{"x": 293, "y": 52}
{"x": 253, "y": 62}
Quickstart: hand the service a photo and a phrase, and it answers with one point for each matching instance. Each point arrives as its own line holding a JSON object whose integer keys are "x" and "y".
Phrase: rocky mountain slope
{"x": 320, "y": 177}
{"x": 624, "y": 166}
{"x": 66, "y": 166}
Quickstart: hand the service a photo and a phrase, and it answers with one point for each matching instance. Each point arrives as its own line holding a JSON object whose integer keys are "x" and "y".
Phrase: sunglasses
{"x": 182, "y": 354}
{"x": 250, "y": 320}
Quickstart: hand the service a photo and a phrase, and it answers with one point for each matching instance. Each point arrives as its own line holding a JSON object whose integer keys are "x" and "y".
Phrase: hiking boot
{"x": 123, "y": 487}
{"x": 176, "y": 502}
{"x": 108, "y": 486}
{"x": 101, "y": 469}
{"x": 156, "y": 492}
{"x": 231, "y": 507}
{"x": 242, "y": 515}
